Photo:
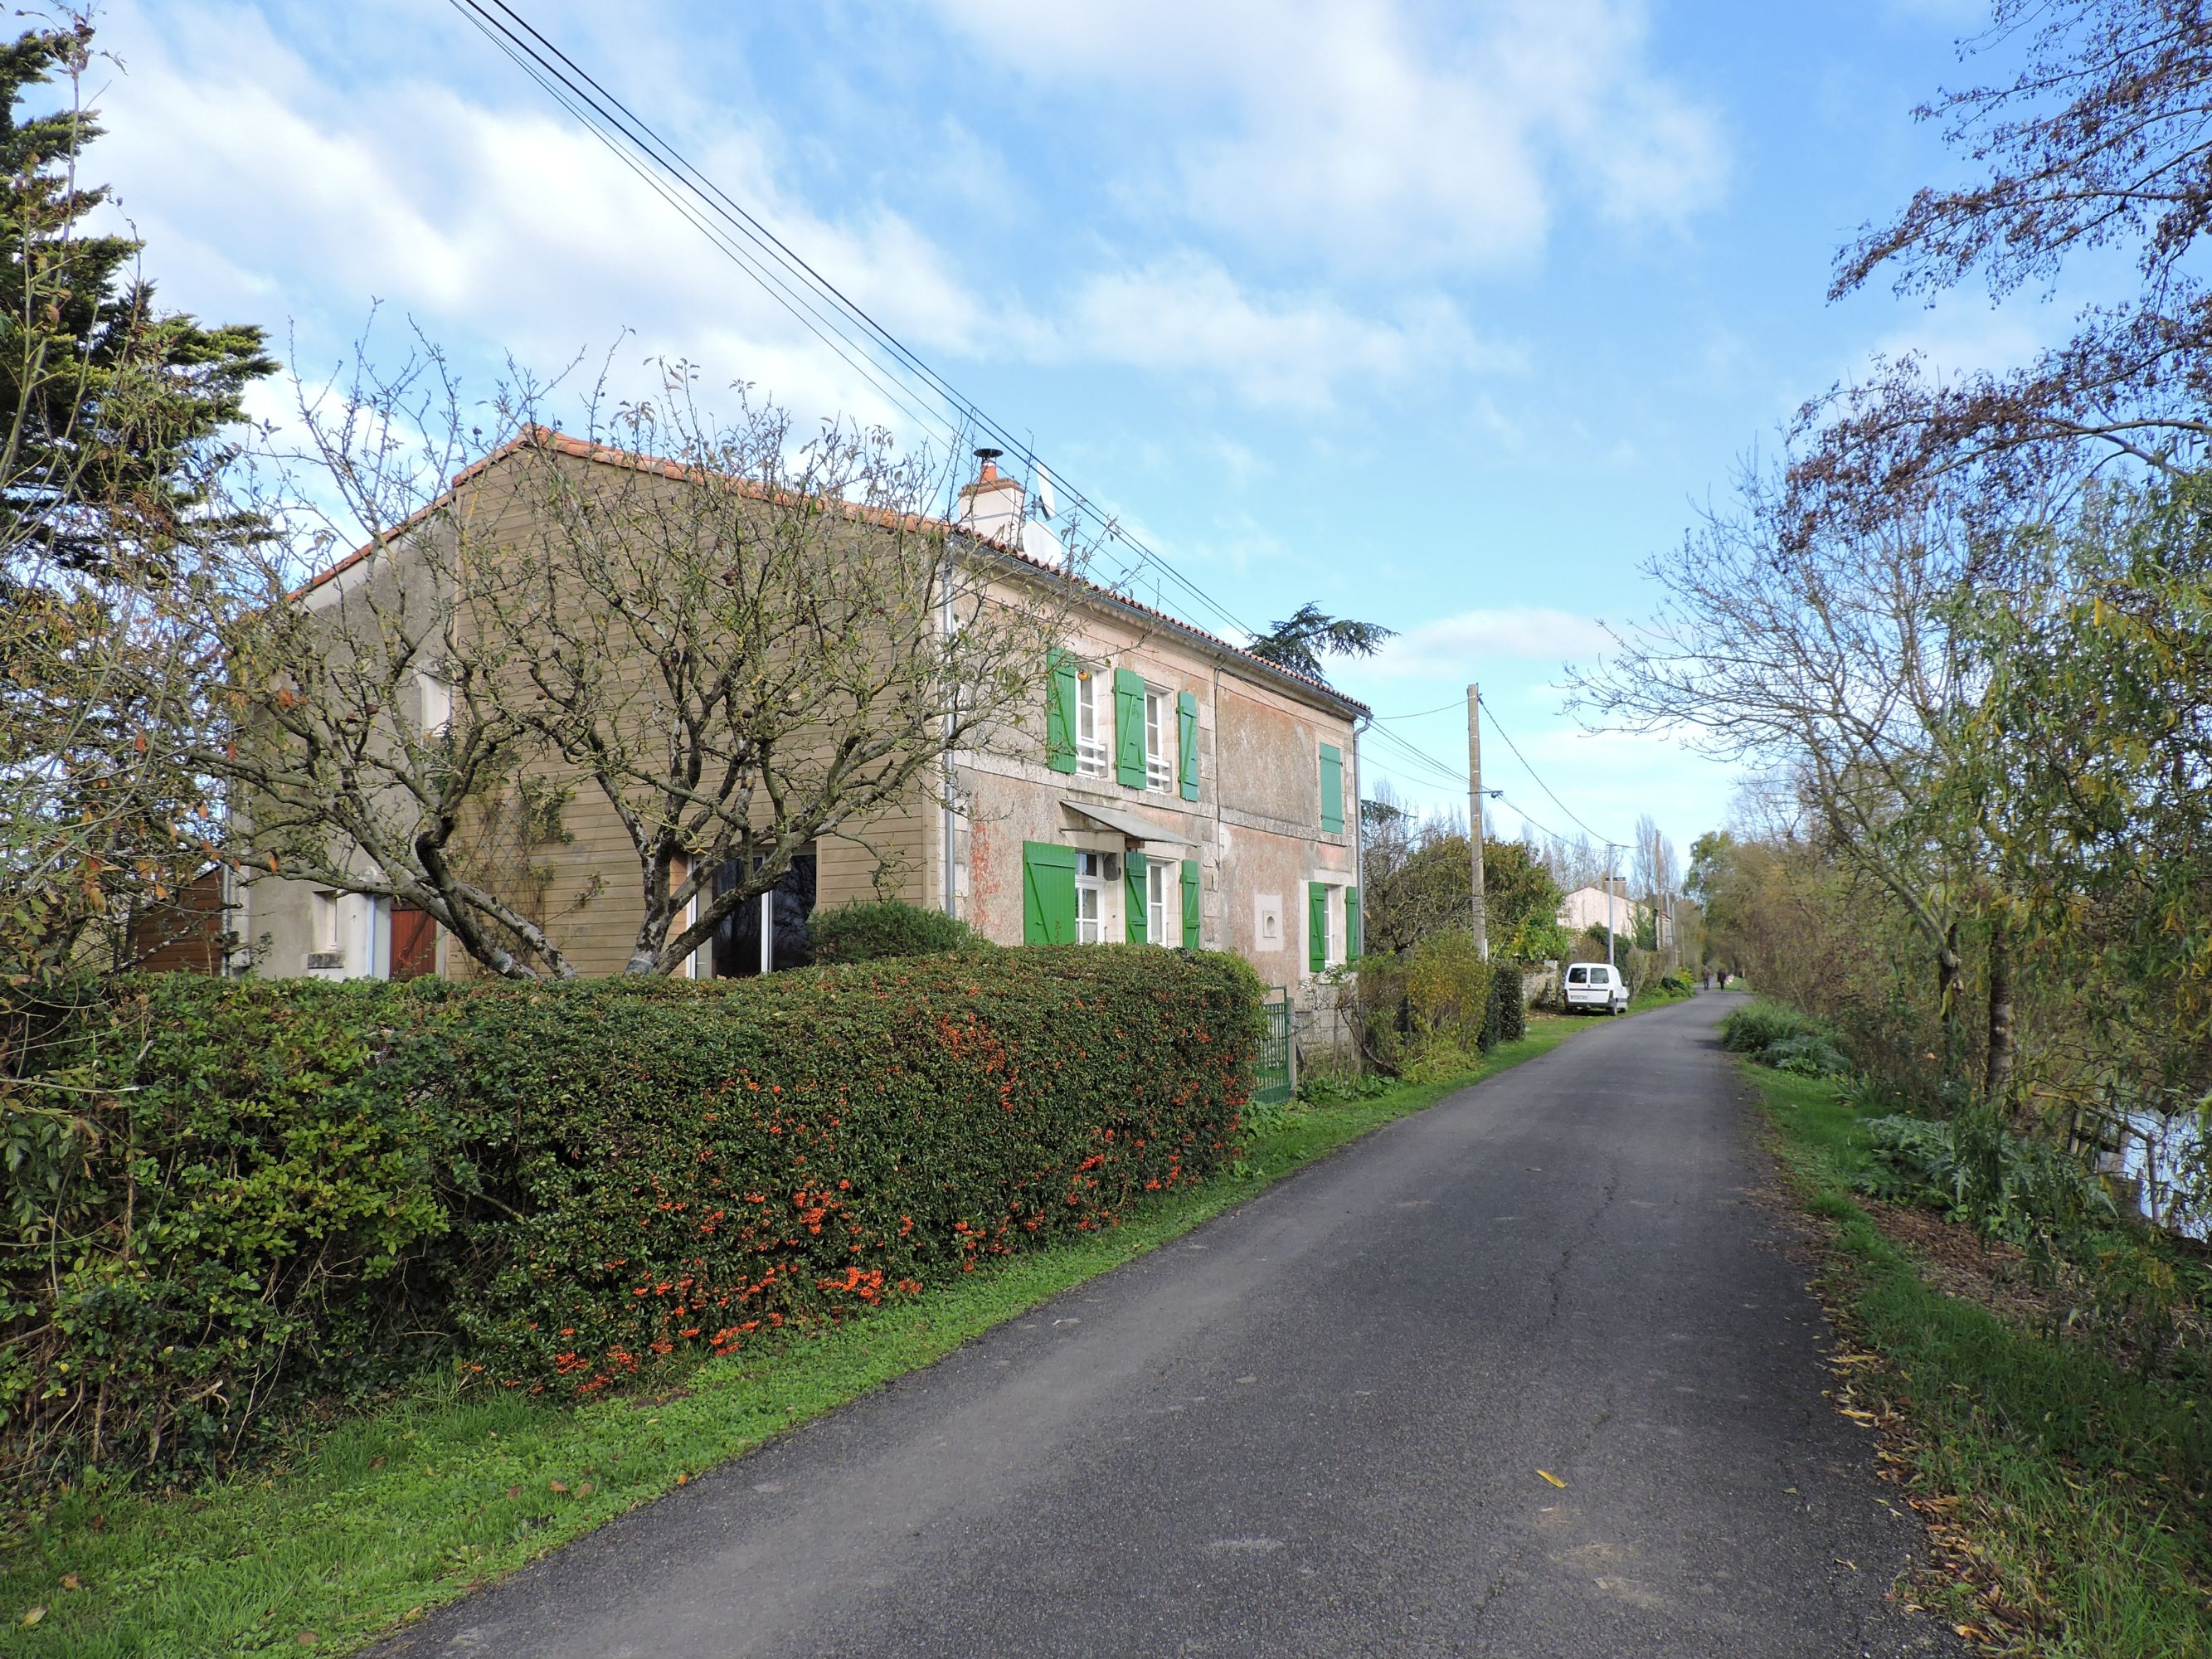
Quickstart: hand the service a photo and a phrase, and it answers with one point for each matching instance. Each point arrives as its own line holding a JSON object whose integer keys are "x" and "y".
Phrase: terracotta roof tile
{"x": 582, "y": 449}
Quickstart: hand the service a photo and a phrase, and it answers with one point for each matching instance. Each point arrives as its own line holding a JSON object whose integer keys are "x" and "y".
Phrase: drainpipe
{"x": 1359, "y": 827}
{"x": 1220, "y": 853}
{"x": 951, "y": 776}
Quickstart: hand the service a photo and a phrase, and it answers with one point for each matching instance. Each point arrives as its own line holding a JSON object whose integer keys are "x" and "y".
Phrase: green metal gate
{"x": 1278, "y": 1077}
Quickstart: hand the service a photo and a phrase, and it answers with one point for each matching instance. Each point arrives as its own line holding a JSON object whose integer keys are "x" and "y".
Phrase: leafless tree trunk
{"x": 734, "y": 637}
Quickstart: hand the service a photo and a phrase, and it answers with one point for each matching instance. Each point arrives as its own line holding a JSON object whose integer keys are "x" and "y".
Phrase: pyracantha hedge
{"x": 228, "y": 1197}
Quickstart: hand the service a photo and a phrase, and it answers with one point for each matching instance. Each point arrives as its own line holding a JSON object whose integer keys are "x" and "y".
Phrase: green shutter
{"x": 1129, "y": 728}
{"x": 1060, "y": 712}
{"x": 1192, "y": 932}
{"x": 1332, "y": 788}
{"x": 1316, "y": 927}
{"x": 1351, "y": 923}
{"x": 1135, "y": 915}
{"x": 1187, "y": 742}
{"x": 1047, "y": 893}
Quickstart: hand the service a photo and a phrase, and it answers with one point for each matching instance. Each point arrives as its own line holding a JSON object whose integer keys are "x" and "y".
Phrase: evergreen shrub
{"x": 1751, "y": 1029}
{"x": 870, "y": 932}
{"x": 225, "y": 1200}
{"x": 1508, "y": 1020}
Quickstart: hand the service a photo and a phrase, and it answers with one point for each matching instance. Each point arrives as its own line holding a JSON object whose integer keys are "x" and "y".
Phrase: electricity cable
{"x": 612, "y": 113}
{"x": 1541, "y": 784}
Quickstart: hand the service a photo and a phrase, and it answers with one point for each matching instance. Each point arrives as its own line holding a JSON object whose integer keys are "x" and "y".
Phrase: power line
{"x": 607, "y": 131}
{"x": 1417, "y": 714}
{"x": 1533, "y": 773}
{"x": 1438, "y": 771}
{"x": 1522, "y": 813}
{"x": 611, "y": 121}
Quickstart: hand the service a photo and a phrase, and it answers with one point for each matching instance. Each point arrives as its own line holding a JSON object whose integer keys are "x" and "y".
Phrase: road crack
{"x": 1553, "y": 1280}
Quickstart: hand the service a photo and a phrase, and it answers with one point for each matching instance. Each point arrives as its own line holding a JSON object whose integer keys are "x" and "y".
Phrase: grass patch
{"x": 374, "y": 1521}
{"x": 2071, "y": 1500}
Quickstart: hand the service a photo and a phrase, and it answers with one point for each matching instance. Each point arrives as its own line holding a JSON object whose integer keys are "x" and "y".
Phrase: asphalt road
{"x": 1315, "y": 1426}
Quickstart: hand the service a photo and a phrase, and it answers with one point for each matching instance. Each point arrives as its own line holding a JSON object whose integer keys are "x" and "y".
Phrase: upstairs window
{"x": 1159, "y": 713}
{"x": 1089, "y": 724}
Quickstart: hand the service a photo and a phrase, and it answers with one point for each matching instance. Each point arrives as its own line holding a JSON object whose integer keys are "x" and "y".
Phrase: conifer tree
{"x": 115, "y": 422}
{"x": 107, "y": 399}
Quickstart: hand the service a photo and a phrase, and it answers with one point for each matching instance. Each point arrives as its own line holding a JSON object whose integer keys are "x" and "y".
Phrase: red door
{"x": 413, "y": 943}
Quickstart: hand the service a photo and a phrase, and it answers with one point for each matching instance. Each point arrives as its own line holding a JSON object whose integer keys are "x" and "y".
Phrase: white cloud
{"x": 265, "y": 186}
{"x": 1186, "y": 316}
{"x": 1385, "y": 135}
{"x": 277, "y": 186}
{"x": 1455, "y": 647}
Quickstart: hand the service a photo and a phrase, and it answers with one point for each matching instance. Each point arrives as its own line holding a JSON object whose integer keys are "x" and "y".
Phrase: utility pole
{"x": 1611, "y": 881}
{"x": 1474, "y": 793}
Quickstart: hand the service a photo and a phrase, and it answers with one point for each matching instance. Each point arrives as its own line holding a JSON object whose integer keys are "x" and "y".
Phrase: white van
{"x": 1595, "y": 985}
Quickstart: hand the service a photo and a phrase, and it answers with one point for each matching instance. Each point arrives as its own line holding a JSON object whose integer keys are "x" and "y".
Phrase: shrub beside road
{"x": 350, "y": 1528}
{"x": 2033, "y": 1363}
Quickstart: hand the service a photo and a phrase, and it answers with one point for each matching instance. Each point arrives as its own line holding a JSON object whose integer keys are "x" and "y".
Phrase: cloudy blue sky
{"x": 1441, "y": 315}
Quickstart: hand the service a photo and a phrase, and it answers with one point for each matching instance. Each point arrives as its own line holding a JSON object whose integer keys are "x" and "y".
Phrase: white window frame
{"x": 1093, "y": 748}
{"x": 1090, "y": 885}
{"x": 1159, "y": 769}
{"x": 437, "y": 706}
{"x": 1157, "y": 909}
{"x": 1333, "y": 919}
{"x": 324, "y": 925}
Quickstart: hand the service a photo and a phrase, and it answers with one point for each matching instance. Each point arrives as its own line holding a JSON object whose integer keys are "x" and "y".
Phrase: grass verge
{"x": 2068, "y": 1499}
{"x": 374, "y": 1521}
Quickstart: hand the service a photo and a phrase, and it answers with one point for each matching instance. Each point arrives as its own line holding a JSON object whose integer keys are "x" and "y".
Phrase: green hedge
{"x": 869, "y": 931}
{"x": 226, "y": 1200}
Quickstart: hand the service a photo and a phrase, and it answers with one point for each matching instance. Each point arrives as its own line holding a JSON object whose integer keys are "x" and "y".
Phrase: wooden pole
{"x": 1474, "y": 815}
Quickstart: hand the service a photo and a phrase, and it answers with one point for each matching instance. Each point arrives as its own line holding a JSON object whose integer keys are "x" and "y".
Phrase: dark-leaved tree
{"x": 1301, "y": 640}
{"x": 114, "y": 536}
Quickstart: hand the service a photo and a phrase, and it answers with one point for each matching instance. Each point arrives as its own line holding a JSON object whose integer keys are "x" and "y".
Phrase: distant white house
{"x": 1592, "y": 907}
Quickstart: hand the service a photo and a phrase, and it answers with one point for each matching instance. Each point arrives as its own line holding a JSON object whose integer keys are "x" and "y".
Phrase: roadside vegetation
{"x": 1957, "y": 631}
{"x": 2039, "y": 1371}
{"x": 1660, "y": 989}
{"x": 343, "y": 1530}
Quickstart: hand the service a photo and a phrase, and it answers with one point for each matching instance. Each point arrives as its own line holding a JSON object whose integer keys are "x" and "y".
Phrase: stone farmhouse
{"x": 1174, "y": 790}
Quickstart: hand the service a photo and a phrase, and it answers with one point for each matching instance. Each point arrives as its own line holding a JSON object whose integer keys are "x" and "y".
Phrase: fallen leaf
{"x": 307, "y": 1638}
{"x": 558, "y": 1485}
{"x": 70, "y": 1580}
{"x": 584, "y": 1490}
{"x": 514, "y": 1491}
{"x": 1553, "y": 1478}
{"x": 34, "y": 1616}
{"x": 682, "y": 1480}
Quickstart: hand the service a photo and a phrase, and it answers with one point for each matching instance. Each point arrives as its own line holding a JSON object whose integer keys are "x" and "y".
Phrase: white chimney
{"x": 992, "y": 506}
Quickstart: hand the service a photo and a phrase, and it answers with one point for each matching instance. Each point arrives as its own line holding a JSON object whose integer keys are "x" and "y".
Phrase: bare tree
{"x": 2101, "y": 141}
{"x": 736, "y": 638}
{"x": 1833, "y": 656}
{"x": 1654, "y": 869}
